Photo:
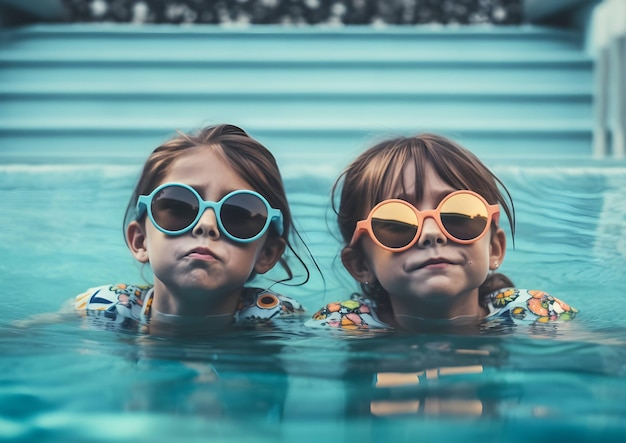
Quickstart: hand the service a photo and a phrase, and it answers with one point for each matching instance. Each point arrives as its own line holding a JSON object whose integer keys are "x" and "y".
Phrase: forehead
{"x": 416, "y": 185}
{"x": 204, "y": 166}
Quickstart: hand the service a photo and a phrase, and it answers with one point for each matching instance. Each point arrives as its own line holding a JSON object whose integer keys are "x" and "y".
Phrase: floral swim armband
{"x": 528, "y": 305}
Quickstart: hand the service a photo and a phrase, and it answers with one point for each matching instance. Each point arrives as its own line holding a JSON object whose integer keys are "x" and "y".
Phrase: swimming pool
{"x": 61, "y": 233}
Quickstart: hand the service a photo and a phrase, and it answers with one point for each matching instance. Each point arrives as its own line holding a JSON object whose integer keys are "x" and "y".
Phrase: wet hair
{"x": 377, "y": 173}
{"x": 252, "y": 161}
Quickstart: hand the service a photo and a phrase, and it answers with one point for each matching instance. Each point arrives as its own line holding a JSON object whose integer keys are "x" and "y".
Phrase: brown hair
{"x": 250, "y": 160}
{"x": 373, "y": 176}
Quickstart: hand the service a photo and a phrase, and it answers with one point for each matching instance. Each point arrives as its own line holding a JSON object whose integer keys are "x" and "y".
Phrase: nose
{"x": 431, "y": 234}
{"x": 207, "y": 225}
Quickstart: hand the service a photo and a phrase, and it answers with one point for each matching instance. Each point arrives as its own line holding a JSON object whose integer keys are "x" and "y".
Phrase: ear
{"x": 497, "y": 249}
{"x": 272, "y": 251}
{"x": 354, "y": 261}
{"x": 136, "y": 236}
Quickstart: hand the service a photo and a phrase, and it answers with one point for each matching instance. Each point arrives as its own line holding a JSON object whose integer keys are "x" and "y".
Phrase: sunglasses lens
{"x": 174, "y": 208}
{"x": 464, "y": 216}
{"x": 244, "y": 215}
{"x": 394, "y": 224}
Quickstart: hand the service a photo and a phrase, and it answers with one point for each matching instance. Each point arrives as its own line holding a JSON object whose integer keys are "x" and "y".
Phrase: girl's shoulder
{"x": 116, "y": 302}
{"x": 121, "y": 302}
{"x": 513, "y": 303}
{"x": 259, "y": 304}
{"x": 356, "y": 313}
{"x": 528, "y": 305}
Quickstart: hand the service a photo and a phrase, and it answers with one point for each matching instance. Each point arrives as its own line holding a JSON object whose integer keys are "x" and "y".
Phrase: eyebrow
{"x": 405, "y": 197}
{"x": 438, "y": 196}
{"x": 197, "y": 189}
{"x": 221, "y": 195}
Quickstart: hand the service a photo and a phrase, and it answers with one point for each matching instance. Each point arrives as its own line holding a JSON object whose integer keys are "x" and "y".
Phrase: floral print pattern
{"x": 348, "y": 314}
{"x": 519, "y": 305}
{"x": 125, "y": 304}
{"x": 539, "y": 306}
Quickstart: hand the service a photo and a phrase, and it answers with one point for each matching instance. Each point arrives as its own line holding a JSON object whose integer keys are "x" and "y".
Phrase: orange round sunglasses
{"x": 395, "y": 225}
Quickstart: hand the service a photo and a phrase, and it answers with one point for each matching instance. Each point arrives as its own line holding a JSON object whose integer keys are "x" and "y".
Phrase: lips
{"x": 432, "y": 262}
{"x": 201, "y": 253}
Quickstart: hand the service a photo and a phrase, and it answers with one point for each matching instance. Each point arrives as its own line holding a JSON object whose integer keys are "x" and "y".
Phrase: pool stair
{"x": 86, "y": 93}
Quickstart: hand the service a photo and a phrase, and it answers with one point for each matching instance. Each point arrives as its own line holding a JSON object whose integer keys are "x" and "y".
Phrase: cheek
{"x": 381, "y": 261}
{"x": 157, "y": 243}
{"x": 152, "y": 237}
{"x": 478, "y": 257}
{"x": 373, "y": 253}
{"x": 246, "y": 252}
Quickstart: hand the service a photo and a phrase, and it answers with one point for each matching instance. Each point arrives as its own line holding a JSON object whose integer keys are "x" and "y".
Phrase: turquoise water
{"x": 61, "y": 381}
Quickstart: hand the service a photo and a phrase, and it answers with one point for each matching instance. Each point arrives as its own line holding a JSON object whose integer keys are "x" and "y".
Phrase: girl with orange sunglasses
{"x": 420, "y": 218}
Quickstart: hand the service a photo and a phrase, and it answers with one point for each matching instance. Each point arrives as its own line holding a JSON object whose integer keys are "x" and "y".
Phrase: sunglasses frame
{"x": 365, "y": 226}
{"x": 274, "y": 216}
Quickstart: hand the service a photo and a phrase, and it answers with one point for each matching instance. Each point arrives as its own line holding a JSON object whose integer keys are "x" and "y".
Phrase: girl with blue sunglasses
{"x": 208, "y": 214}
{"x": 420, "y": 218}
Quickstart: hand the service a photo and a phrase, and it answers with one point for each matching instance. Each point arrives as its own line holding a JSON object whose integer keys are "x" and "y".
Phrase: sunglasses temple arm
{"x": 496, "y": 214}
{"x": 358, "y": 231}
{"x": 142, "y": 205}
{"x": 276, "y": 217}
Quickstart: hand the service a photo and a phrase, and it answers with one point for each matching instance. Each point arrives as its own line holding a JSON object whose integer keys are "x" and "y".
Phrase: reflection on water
{"x": 292, "y": 383}
{"x": 63, "y": 381}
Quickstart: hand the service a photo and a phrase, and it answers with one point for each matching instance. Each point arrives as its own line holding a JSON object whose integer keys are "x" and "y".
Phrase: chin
{"x": 436, "y": 296}
{"x": 198, "y": 286}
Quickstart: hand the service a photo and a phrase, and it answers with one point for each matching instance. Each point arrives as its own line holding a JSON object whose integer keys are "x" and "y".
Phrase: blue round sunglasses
{"x": 242, "y": 215}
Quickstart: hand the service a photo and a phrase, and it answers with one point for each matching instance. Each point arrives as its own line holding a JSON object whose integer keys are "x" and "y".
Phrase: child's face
{"x": 201, "y": 272}
{"x": 436, "y": 277}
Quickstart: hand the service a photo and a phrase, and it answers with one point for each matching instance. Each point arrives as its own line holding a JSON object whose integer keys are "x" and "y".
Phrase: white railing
{"x": 608, "y": 45}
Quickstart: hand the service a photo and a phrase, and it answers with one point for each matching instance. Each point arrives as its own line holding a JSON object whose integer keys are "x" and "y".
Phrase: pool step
{"x": 84, "y": 93}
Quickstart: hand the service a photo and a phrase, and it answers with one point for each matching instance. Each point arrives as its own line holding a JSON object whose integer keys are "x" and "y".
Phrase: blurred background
{"x": 108, "y": 80}
{"x": 88, "y": 88}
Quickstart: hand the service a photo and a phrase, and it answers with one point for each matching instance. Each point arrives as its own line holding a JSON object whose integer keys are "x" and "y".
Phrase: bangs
{"x": 386, "y": 180}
